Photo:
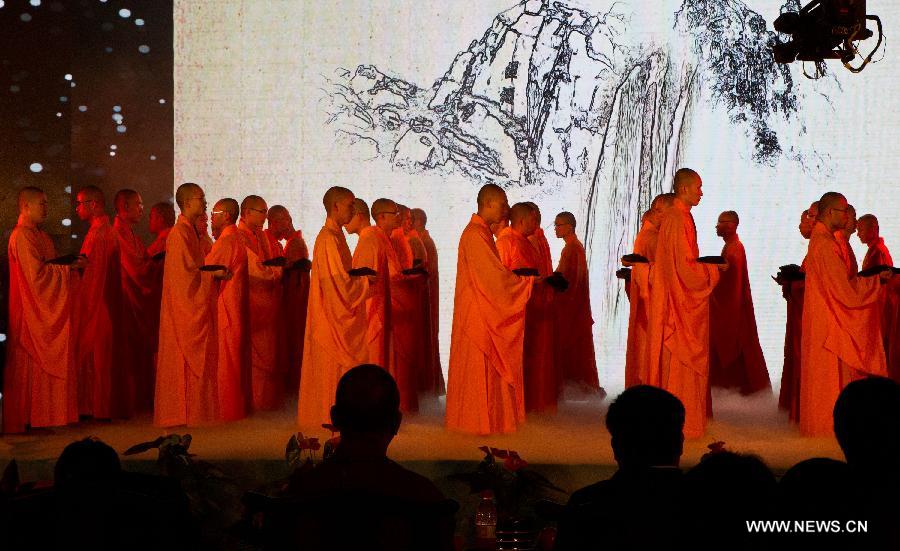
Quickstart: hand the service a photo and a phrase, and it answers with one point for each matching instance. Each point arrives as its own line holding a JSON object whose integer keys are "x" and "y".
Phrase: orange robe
{"x": 335, "y": 325}
{"x": 539, "y": 240}
{"x": 846, "y": 252}
{"x": 136, "y": 353}
{"x": 39, "y": 383}
{"x": 679, "y": 317}
{"x": 841, "y": 332}
{"x": 156, "y": 282}
{"x": 233, "y": 325}
{"x": 574, "y": 339}
{"x": 542, "y": 382}
{"x": 434, "y": 302}
{"x": 485, "y": 391}
{"x": 429, "y": 378}
{"x": 97, "y": 318}
{"x": 789, "y": 395}
{"x": 736, "y": 358}
{"x": 267, "y": 373}
{"x": 878, "y": 255}
{"x": 636, "y": 352}
{"x": 186, "y": 378}
{"x": 406, "y": 324}
{"x": 295, "y": 283}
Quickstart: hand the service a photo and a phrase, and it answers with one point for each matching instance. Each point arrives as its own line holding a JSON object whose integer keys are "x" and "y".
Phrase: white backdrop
{"x": 254, "y": 93}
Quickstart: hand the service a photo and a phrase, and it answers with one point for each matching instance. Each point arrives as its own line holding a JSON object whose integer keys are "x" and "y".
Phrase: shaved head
{"x": 333, "y": 195}
{"x": 228, "y": 206}
{"x": 184, "y": 192}
{"x": 829, "y": 201}
{"x": 663, "y": 200}
{"x": 730, "y": 215}
{"x": 566, "y": 217}
{"x": 251, "y": 202}
{"x": 380, "y": 206}
{"x": 123, "y": 197}
{"x": 93, "y": 193}
{"x": 488, "y": 193}
{"x": 360, "y": 207}
{"x": 868, "y": 219}
{"x": 29, "y": 195}
{"x": 419, "y": 217}
{"x": 867, "y": 228}
{"x": 384, "y": 211}
{"x": 520, "y": 212}
{"x": 277, "y": 211}
{"x": 683, "y": 178}
{"x": 536, "y": 209}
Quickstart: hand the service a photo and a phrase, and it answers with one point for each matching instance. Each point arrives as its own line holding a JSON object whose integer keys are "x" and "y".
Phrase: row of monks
{"x": 692, "y": 324}
{"x": 202, "y": 330}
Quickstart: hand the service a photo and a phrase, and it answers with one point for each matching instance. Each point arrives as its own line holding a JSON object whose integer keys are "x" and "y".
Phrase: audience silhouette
{"x": 646, "y": 426}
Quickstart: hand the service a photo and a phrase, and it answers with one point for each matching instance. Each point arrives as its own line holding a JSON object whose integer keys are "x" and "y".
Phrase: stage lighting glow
{"x": 121, "y": 129}
{"x": 113, "y": 146}
{"x": 36, "y": 167}
{"x": 63, "y": 99}
{"x": 82, "y": 108}
{"x": 68, "y": 189}
{"x": 67, "y": 76}
{"x": 139, "y": 22}
{"x": 2, "y": 335}
{"x": 125, "y": 13}
{"x": 14, "y": 88}
{"x": 162, "y": 100}
{"x": 35, "y": 3}
{"x": 117, "y": 118}
{"x": 144, "y": 49}
{"x": 117, "y": 108}
{"x": 112, "y": 153}
{"x": 26, "y": 17}
{"x": 152, "y": 157}
{"x": 66, "y": 222}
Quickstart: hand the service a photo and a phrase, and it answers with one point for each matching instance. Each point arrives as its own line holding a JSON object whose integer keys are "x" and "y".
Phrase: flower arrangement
{"x": 516, "y": 487}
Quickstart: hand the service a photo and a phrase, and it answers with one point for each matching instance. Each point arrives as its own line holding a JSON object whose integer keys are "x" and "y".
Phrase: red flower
{"x": 313, "y": 444}
{"x": 513, "y": 462}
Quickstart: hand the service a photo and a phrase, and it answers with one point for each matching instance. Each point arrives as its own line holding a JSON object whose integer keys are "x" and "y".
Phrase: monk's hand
{"x": 557, "y": 282}
{"x": 304, "y": 265}
{"x": 886, "y": 275}
{"x": 357, "y": 272}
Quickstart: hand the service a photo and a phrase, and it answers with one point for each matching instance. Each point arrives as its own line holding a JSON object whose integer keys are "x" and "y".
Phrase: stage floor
{"x": 576, "y": 435}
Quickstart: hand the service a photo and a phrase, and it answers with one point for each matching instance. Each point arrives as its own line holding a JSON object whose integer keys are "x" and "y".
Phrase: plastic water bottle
{"x": 486, "y": 522}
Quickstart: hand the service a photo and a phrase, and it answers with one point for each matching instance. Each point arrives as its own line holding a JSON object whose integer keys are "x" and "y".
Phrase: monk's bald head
{"x": 32, "y": 203}
{"x": 93, "y": 193}
{"x": 833, "y": 211}
{"x": 29, "y": 195}
{"x": 420, "y": 219}
{"x": 277, "y": 212}
{"x": 684, "y": 177}
{"x": 492, "y": 203}
{"x": 727, "y": 224}
{"x": 519, "y": 213}
{"x": 360, "y": 208}
{"x": 186, "y": 193}
{"x": 229, "y": 209}
{"x": 360, "y": 219}
{"x": 333, "y": 195}
{"x": 658, "y": 207}
{"x": 564, "y": 224}
{"x": 89, "y": 203}
{"x": 730, "y": 216}
{"x": 829, "y": 201}
{"x": 123, "y": 197}
{"x": 536, "y": 209}
{"x": 867, "y": 229}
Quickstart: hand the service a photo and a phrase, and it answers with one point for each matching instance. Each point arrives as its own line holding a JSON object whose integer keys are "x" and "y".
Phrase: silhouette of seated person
{"x": 358, "y": 498}
{"x": 95, "y": 505}
{"x": 636, "y": 508}
{"x": 723, "y": 492}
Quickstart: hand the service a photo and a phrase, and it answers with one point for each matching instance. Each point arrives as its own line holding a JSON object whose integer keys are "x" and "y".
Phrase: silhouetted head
{"x": 867, "y": 423}
{"x": 367, "y": 401}
{"x": 732, "y": 476}
{"x": 86, "y": 465}
{"x": 647, "y": 427}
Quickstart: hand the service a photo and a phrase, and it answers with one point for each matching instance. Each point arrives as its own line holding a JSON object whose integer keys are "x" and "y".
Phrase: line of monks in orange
{"x": 204, "y": 331}
{"x": 692, "y": 324}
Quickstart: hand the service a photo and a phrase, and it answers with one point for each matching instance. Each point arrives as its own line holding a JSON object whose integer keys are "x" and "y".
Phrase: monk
{"x": 408, "y": 315}
{"x": 162, "y": 219}
{"x": 267, "y": 375}
{"x": 636, "y": 354}
{"x": 429, "y": 380}
{"x": 97, "y": 314}
{"x": 136, "y": 284}
{"x": 679, "y": 307}
{"x": 336, "y": 319}
{"x": 841, "y": 339}
{"x": 186, "y": 367}
{"x": 539, "y": 241}
{"x": 789, "y": 396}
{"x": 877, "y": 254}
{"x": 295, "y": 291}
{"x": 541, "y": 378}
{"x": 574, "y": 339}
{"x": 233, "y": 376}
{"x": 485, "y": 390}
{"x": 736, "y": 358}
{"x": 376, "y": 252}
{"x": 420, "y": 220}
{"x": 499, "y": 226}
{"x": 39, "y": 383}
